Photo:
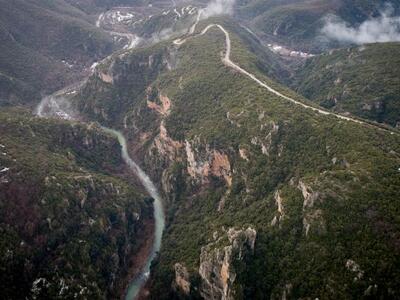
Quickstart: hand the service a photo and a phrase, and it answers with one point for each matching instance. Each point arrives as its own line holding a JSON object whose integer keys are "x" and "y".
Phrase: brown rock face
{"x": 106, "y": 77}
{"x": 213, "y": 163}
{"x": 217, "y": 262}
{"x": 163, "y": 109}
{"x": 166, "y": 146}
{"x": 221, "y": 167}
{"x": 182, "y": 281}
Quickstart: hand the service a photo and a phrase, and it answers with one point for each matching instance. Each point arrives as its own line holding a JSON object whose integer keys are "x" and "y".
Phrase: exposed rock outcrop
{"x": 354, "y": 267}
{"x": 311, "y": 215}
{"x": 217, "y": 263}
{"x": 214, "y": 163}
{"x": 166, "y": 146}
{"x": 244, "y": 154}
{"x": 266, "y": 142}
{"x": 182, "y": 280}
{"x": 309, "y": 195}
{"x": 106, "y": 77}
{"x": 280, "y": 211}
{"x": 164, "y": 108}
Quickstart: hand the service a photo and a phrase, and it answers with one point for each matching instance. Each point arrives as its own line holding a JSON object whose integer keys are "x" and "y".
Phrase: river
{"x": 59, "y": 107}
{"x": 137, "y": 283}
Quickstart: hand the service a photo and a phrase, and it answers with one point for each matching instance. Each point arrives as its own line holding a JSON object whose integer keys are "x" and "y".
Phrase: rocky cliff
{"x": 218, "y": 263}
{"x": 69, "y": 227}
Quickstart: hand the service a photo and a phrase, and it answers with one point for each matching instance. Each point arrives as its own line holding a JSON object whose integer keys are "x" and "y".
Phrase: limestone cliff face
{"x": 182, "y": 280}
{"x": 198, "y": 163}
{"x": 202, "y": 164}
{"x": 312, "y": 216}
{"x": 166, "y": 146}
{"x": 218, "y": 260}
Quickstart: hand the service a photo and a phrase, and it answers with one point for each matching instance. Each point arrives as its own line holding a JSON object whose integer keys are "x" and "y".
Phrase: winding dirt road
{"x": 132, "y": 39}
{"x": 226, "y": 59}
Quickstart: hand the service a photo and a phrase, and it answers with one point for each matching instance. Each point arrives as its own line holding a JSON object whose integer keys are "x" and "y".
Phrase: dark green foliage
{"x": 44, "y": 46}
{"x": 362, "y": 80}
{"x": 297, "y": 23}
{"x": 64, "y": 217}
{"x": 353, "y": 168}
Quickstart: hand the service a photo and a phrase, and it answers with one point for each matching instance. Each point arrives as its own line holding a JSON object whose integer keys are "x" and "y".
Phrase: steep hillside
{"x": 68, "y": 226}
{"x": 166, "y": 22}
{"x": 298, "y": 23}
{"x": 362, "y": 80}
{"x": 44, "y": 45}
{"x": 266, "y": 197}
{"x": 90, "y": 6}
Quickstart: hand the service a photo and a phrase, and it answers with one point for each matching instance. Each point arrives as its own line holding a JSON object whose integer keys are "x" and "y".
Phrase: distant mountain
{"x": 298, "y": 23}
{"x": 44, "y": 46}
{"x": 362, "y": 80}
{"x": 91, "y": 6}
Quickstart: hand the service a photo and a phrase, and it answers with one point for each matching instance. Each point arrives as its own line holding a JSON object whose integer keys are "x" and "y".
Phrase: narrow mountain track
{"x": 226, "y": 59}
{"x": 131, "y": 38}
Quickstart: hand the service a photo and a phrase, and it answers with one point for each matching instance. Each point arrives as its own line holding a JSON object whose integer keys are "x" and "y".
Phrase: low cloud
{"x": 218, "y": 7}
{"x": 385, "y": 28}
{"x": 160, "y": 36}
{"x": 57, "y": 107}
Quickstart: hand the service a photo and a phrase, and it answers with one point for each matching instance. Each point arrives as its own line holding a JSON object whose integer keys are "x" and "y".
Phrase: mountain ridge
{"x": 265, "y": 193}
{"x": 211, "y": 154}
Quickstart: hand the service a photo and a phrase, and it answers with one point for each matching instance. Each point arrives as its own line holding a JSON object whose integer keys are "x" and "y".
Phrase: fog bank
{"x": 385, "y": 28}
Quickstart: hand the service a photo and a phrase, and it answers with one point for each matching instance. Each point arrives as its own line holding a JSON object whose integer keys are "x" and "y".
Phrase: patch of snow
{"x": 121, "y": 17}
{"x": 70, "y": 66}
{"x": 4, "y": 170}
{"x": 177, "y": 13}
{"x": 93, "y": 66}
{"x": 281, "y": 50}
{"x": 100, "y": 18}
{"x": 192, "y": 11}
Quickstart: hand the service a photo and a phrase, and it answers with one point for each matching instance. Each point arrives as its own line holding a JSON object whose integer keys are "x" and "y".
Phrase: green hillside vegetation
{"x": 44, "y": 46}
{"x": 296, "y": 23}
{"x": 350, "y": 170}
{"x": 361, "y": 80}
{"x": 68, "y": 226}
{"x": 91, "y": 6}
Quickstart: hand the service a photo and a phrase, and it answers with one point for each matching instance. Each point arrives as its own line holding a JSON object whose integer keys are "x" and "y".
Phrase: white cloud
{"x": 218, "y": 7}
{"x": 385, "y": 28}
